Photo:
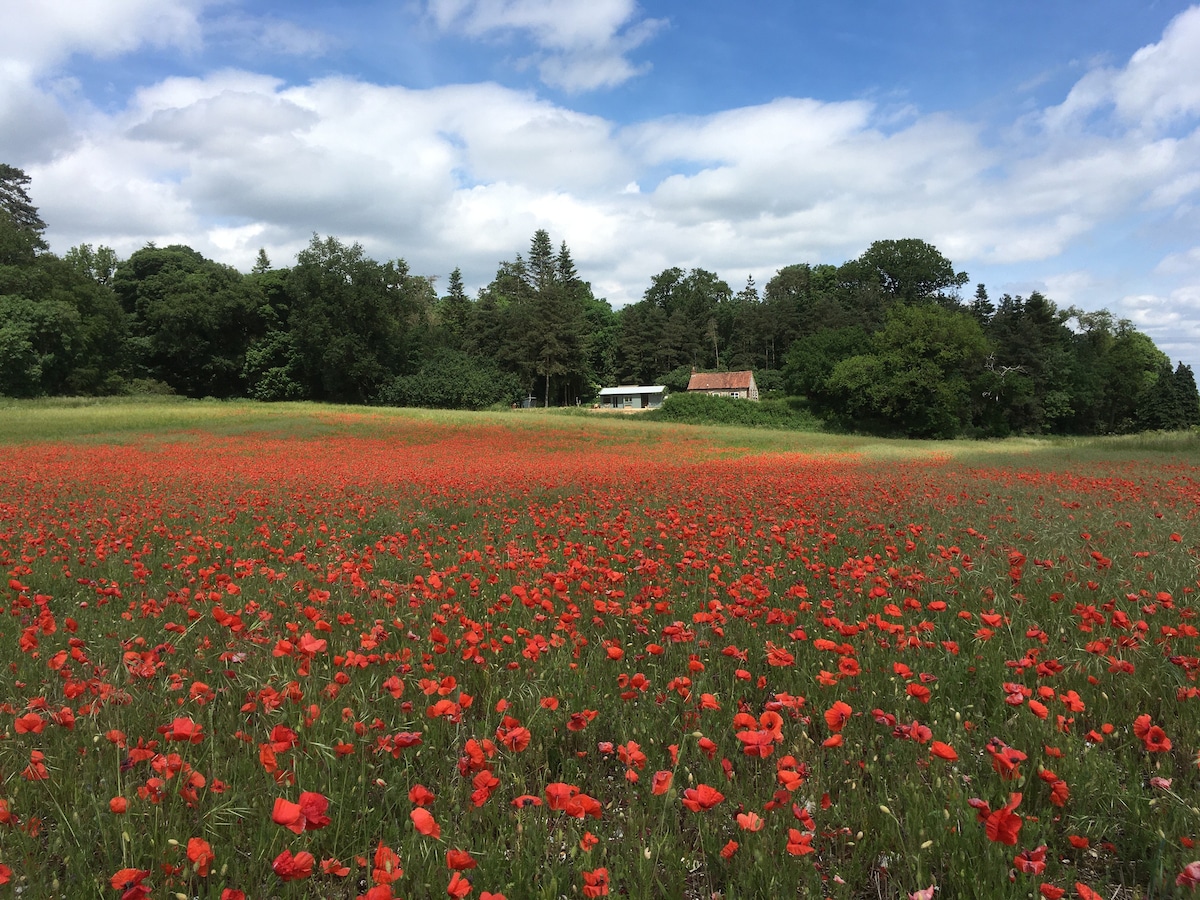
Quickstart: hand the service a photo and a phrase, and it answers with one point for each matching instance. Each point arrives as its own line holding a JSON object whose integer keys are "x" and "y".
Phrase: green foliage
{"x": 353, "y": 319}
{"x": 20, "y": 225}
{"x": 450, "y": 379}
{"x": 342, "y": 327}
{"x": 811, "y": 359}
{"x": 911, "y": 271}
{"x": 918, "y": 377}
{"x": 192, "y": 319}
{"x": 705, "y": 409}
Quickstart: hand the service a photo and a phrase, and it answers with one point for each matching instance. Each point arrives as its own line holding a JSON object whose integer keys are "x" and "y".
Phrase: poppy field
{"x": 411, "y": 656}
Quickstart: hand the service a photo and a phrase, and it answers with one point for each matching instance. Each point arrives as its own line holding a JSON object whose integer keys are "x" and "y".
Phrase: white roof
{"x": 629, "y": 389}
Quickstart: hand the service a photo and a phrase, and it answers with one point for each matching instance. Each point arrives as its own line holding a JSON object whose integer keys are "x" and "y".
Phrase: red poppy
{"x": 1190, "y": 876}
{"x": 838, "y": 715}
{"x": 459, "y": 887}
{"x": 1031, "y": 862}
{"x": 750, "y": 821}
{"x": 595, "y": 883}
{"x": 1085, "y": 892}
{"x": 661, "y": 782}
{"x": 419, "y": 795}
{"x": 425, "y": 823}
{"x": 1051, "y": 892}
{"x": 579, "y": 721}
{"x": 701, "y": 797}
{"x": 799, "y": 843}
{"x": 335, "y": 867}
{"x": 1003, "y": 824}
{"x": 943, "y": 751}
{"x": 200, "y": 855}
{"x": 293, "y": 868}
{"x": 386, "y": 868}
{"x": 125, "y": 879}
{"x": 30, "y": 723}
{"x": 183, "y": 729}
{"x": 459, "y": 860}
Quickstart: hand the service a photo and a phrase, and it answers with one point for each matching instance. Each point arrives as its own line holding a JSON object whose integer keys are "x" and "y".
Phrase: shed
{"x": 632, "y": 397}
{"x": 738, "y": 385}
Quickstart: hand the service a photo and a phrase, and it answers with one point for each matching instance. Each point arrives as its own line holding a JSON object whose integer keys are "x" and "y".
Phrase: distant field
{"x": 303, "y": 651}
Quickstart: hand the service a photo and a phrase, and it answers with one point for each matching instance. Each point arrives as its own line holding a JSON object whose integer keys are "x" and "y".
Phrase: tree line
{"x": 884, "y": 342}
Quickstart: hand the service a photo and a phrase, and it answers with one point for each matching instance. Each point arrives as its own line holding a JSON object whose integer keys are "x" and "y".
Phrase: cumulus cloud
{"x": 580, "y": 45}
{"x": 1159, "y": 86}
{"x": 461, "y": 175}
{"x": 51, "y": 30}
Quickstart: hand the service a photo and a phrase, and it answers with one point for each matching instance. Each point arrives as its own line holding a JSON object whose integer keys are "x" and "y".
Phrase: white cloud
{"x": 38, "y": 35}
{"x": 581, "y": 44}
{"x": 462, "y": 175}
{"x": 1159, "y": 86}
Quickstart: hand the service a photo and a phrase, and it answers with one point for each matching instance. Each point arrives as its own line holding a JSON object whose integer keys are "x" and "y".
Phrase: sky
{"x": 1039, "y": 146}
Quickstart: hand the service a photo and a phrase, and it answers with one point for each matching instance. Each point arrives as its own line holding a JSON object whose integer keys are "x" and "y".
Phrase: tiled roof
{"x": 720, "y": 381}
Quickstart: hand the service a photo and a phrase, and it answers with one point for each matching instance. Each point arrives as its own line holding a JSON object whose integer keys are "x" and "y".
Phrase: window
{"x": 736, "y": 395}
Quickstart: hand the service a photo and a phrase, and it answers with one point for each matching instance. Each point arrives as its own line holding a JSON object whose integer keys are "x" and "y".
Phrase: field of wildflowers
{"x": 415, "y": 657}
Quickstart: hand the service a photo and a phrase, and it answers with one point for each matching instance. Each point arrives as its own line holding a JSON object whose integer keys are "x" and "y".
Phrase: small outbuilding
{"x": 738, "y": 385}
{"x": 632, "y": 397}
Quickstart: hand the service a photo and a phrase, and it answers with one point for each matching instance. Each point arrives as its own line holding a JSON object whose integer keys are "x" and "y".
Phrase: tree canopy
{"x": 883, "y": 342}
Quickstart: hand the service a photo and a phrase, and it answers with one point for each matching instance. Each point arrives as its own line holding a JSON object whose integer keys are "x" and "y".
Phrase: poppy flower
{"x": 1051, "y": 892}
{"x": 1031, "y": 862}
{"x": 799, "y": 843}
{"x": 293, "y": 868}
{"x": 661, "y": 782}
{"x": 1003, "y": 824}
{"x": 750, "y": 821}
{"x": 425, "y": 823}
{"x": 838, "y": 715}
{"x": 459, "y": 860}
{"x": 1190, "y": 876}
{"x": 126, "y": 879}
{"x": 1085, "y": 892}
{"x": 386, "y": 868}
{"x": 30, "y": 723}
{"x": 459, "y": 887}
{"x": 118, "y": 805}
{"x": 595, "y": 883}
{"x": 419, "y": 795}
{"x": 200, "y": 855}
{"x": 579, "y": 721}
{"x": 943, "y": 751}
{"x": 183, "y": 729}
{"x": 335, "y": 867}
{"x": 729, "y": 849}
{"x": 701, "y": 797}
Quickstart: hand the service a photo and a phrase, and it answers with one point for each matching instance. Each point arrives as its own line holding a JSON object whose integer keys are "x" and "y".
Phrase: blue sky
{"x": 1049, "y": 146}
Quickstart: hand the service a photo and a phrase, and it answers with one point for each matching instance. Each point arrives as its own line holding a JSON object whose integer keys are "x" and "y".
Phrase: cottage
{"x": 632, "y": 397}
{"x": 738, "y": 385}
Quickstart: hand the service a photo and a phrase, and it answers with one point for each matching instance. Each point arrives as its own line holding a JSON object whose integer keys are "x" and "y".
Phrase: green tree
{"x": 21, "y": 226}
{"x": 920, "y": 374}
{"x": 911, "y": 271}
{"x": 811, "y": 359}
{"x": 451, "y": 379}
{"x": 192, "y": 319}
{"x": 353, "y": 320}
{"x": 99, "y": 264}
{"x": 456, "y": 309}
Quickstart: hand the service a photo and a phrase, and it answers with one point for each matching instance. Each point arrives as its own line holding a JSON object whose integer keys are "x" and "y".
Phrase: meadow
{"x": 293, "y": 651}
